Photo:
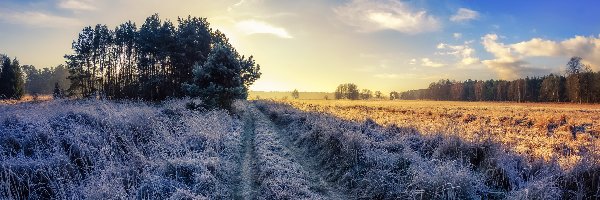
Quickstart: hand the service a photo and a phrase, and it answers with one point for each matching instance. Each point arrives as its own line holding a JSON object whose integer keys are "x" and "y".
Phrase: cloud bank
{"x": 509, "y": 59}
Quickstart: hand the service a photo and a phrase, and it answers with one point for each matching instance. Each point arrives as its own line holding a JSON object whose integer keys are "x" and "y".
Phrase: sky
{"x": 314, "y": 45}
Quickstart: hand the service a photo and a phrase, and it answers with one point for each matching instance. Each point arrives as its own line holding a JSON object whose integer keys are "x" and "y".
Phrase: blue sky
{"x": 315, "y": 45}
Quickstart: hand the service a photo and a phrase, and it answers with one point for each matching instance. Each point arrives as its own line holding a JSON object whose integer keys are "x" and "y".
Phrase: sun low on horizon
{"x": 382, "y": 45}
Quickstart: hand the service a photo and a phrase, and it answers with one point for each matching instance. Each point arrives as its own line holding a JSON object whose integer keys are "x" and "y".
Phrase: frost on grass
{"x": 107, "y": 150}
{"x": 279, "y": 176}
{"x": 389, "y": 162}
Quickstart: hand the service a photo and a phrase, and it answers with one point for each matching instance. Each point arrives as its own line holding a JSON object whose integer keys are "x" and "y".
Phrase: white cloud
{"x": 370, "y": 16}
{"x": 464, "y": 14}
{"x": 413, "y": 61}
{"x": 429, "y": 63}
{"x": 38, "y": 19}
{"x": 250, "y": 27}
{"x": 457, "y": 35}
{"x": 586, "y": 47}
{"x": 509, "y": 59}
{"x": 76, "y": 5}
{"x": 464, "y": 52}
{"x": 537, "y": 47}
{"x": 507, "y": 65}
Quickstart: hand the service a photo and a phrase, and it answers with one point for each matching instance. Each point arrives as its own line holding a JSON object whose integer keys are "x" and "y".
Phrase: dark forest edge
{"x": 579, "y": 84}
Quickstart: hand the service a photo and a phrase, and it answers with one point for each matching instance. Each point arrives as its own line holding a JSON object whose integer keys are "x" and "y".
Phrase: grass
{"x": 562, "y": 132}
{"x": 100, "y": 149}
{"x": 107, "y": 150}
{"x": 375, "y": 161}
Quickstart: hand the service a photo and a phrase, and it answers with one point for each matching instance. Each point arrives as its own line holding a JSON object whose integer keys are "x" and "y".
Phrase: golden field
{"x": 535, "y": 130}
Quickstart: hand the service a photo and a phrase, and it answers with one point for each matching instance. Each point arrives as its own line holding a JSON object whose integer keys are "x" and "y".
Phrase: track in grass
{"x": 272, "y": 168}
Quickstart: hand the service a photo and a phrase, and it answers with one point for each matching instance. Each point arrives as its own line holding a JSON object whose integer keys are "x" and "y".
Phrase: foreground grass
{"x": 263, "y": 150}
{"x": 107, "y": 150}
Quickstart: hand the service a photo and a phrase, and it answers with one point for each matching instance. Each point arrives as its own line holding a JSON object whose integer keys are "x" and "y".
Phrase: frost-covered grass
{"x": 131, "y": 150}
{"x": 107, "y": 150}
{"x": 278, "y": 175}
{"x": 387, "y": 162}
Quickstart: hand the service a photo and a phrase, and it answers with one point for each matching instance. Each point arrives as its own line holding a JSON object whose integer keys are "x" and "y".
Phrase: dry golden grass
{"x": 27, "y": 98}
{"x": 536, "y": 130}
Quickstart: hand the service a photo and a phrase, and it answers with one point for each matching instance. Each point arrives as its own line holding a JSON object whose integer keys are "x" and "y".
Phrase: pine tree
{"x": 223, "y": 78}
{"x": 11, "y": 79}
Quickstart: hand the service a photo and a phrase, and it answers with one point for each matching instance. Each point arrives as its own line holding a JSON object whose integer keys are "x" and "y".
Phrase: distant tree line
{"x": 157, "y": 61}
{"x": 350, "y": 91}
{"x": 11, "y": 78}
{"x": 46, "y": 80}
{"x": 579, "y": 84}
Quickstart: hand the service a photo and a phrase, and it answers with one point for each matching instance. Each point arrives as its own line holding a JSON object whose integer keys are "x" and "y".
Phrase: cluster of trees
{"x": 157, "y": 61}
{"x": 50, "y": 80}
{"x": 11, "y": 78}
{"x": 351, "y": 91}
{"x": 579, "y": 84}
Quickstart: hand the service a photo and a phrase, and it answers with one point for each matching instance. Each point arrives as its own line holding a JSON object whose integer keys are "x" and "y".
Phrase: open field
{"x": 99, "y": 149}
{"x": 288, "y": 95}
{"x": 566, "y": 132}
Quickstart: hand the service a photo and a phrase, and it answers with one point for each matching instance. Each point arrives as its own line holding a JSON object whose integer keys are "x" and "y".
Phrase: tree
{"x": 347, "y": 91}
{"x": 193, "y": 38}
{"x": 479, "y": 92}
{"x": 57, "y": 93}
{"x": 366, "y": 94}
{"x": 126, "y": 59}
{"x": 576, "y": 66}
{"x": 577, "y": 79}
{"x": 550, "y": 88}
{"x": 295, "y": 94}
{"x": 11, "y": 79}
{"x": 223, "y": 78}
{"x": 394, "y": 95}
{"x": 378, "y": 94}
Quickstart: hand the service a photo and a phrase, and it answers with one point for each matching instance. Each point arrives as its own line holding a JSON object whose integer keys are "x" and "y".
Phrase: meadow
{"x": 100, "y": 149}
{"x": 549, "y": 131}
{"x": 439, "y": 150}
